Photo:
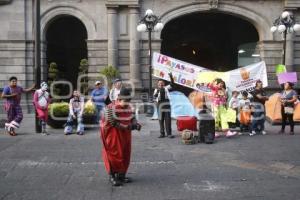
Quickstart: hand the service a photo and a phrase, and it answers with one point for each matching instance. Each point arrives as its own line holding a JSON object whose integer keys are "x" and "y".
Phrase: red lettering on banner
{"x": 162, "y": 74}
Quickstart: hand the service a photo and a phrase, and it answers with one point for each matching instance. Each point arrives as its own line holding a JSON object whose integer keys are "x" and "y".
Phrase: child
{"x": 245, "y": 113}
{"x": 234, "y": 104}
{"x": 219, "y": 101}
{"x": 12, "y": 93}
{"x": 76, "y": 107}
{"x": 41, "y": 101}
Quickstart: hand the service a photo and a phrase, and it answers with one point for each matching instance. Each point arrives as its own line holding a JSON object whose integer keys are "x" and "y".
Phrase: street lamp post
{"x": 150, "y": 23}
{"x": 37, "y": 54}
{"x": 285, "y": 24}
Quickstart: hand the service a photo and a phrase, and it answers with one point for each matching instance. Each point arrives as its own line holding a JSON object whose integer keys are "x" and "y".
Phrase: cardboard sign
{"x": 287, "y": 77}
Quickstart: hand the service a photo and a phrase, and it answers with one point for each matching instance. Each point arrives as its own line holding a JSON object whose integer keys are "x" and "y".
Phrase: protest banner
{"x": 245, "y": 78}
{"x": 184, "y": 73}
{"x": 196, "y": 77}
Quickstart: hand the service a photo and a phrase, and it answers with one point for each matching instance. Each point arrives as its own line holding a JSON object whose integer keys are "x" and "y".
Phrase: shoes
{"x": 7, "y": 127}
{"x": 292, "y": 133}
{"x": 230, "y": 134}
{"x": 12, "y": 132}
{"x": 68, "y": 133}
{"x": 79, "y": 133}
{"x": 264, "y": 132}
{"x": 281, "y": 132}
{"x": 115, "y": 180}
{"x": 161, "y": 136}
{"x": 170, "y": 136}
{"x": 124, "y": 179}
{"x": 252, "y": 133}
{"x": 45, "y": 133}
{"x": 217, "y": 135}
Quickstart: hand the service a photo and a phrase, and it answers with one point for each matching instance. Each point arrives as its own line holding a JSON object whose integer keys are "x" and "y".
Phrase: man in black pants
{"x": 162, "y": 98}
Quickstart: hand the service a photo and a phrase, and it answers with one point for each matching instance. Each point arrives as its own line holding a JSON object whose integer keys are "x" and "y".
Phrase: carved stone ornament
{"x": 213, "y": 4}
{"x": 3, "y": 2}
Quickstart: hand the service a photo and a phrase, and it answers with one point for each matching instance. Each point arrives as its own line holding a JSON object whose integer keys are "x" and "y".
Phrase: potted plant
{"x": 53, "y": 76}
{"x": 89, "y": 113}
{"x": 83, "y": 71}
{"x": 58, "y": 114}
{"x": 110, "y": 73}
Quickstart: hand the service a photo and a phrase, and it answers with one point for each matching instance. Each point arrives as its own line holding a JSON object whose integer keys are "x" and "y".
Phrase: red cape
{"x": 116, "y": 143}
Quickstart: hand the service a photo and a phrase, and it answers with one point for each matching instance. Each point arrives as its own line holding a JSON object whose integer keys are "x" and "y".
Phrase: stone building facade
{"x": 112, "y": 38}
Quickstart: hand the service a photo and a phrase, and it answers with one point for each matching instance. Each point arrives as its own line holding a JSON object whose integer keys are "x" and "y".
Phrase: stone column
{"x": 112, "y": 35}
{"x": 135, "y": 76}
{"x": 289, "y": 53}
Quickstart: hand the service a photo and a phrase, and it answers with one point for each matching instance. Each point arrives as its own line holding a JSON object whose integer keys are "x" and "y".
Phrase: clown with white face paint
{"x": 41, "y": 101}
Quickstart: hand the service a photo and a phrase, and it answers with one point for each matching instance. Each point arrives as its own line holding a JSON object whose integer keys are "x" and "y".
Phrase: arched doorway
{"x": 66, "y": 46}
{"x": 209, "y": 39}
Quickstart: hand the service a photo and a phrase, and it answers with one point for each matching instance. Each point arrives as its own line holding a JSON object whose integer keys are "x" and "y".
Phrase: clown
{"x": 41, "y": 100}
{"x": 115, "y": 130}
{"x": 76, "y": 107}
{"x": 12, "y": 93}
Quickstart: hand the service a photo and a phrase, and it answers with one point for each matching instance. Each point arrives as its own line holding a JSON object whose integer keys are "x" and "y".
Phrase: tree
{"x": 83, "y": 71}
{"x": 53, "y": 76}
{"x": 111, "y": 73}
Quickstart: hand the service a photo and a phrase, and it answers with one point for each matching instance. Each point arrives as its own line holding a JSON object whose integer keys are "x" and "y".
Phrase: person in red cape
{"x": 115, "y": 131}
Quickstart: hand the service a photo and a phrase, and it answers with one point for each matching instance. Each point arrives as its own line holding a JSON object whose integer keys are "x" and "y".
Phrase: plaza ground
{"x": 33, "y": 166}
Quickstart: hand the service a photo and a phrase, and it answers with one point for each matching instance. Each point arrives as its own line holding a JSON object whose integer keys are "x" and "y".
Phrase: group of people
{"x": 247, "y": 108}
{"x": 116, "y": 122}
{"x": 41, "y": 100}
{"x": 118, "y": 119}
{"x": 250, "y": 108}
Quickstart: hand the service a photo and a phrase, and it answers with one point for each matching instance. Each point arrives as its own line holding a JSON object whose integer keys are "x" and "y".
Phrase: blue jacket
{"x": 99, "y": 95}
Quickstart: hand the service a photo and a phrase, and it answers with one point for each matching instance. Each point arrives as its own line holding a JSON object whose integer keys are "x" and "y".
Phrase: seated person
{"x": 76, "y": 107}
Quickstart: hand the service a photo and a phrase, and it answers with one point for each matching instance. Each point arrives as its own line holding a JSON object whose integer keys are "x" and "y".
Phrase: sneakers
{"x": 230, "y": 134}
{"x": 217, "y": 135}
{"x": 264, "y": 132}
{"x": 252, "y": 133}
{"x": 79, "y": 133}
